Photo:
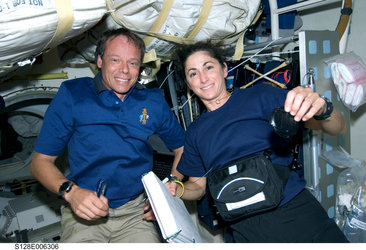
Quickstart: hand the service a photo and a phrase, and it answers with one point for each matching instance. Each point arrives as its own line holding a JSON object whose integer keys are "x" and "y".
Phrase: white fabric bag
{"x": 30, "y": 27}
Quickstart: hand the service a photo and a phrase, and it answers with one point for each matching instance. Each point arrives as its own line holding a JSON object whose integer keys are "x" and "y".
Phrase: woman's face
{"x": 205, "y": 76}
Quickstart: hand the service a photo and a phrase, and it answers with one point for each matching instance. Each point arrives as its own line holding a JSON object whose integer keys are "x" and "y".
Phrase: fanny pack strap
{"x": 282, "y": 171}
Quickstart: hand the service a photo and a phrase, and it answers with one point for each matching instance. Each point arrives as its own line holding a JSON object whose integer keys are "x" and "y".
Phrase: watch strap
{"x": 173, "y": 178}
{"x": 65, "y": 187}
{"x": 328, "y": 110}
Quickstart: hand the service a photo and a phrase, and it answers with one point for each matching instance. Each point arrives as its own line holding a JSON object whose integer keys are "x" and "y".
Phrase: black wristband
{"x": 65, "y": 187}
{"x": 328, "y": 110}
{"x": 173, "y": 178}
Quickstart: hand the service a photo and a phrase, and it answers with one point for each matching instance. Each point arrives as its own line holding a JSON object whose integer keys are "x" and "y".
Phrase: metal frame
{"x": 321, "y": 177}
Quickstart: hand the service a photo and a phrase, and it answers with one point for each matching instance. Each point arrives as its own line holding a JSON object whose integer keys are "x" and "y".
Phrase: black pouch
{"x": 246, "y": 187}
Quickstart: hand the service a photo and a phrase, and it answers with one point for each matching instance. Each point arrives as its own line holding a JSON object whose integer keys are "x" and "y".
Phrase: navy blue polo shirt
{"x": 107, "y": 138}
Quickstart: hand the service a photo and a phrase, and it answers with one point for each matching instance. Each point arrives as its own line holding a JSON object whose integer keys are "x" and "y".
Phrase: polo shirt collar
{"x": 99, "y": 86}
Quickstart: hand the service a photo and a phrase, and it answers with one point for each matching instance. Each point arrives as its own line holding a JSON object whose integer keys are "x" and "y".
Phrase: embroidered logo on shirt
{"x": 144, "y": 117}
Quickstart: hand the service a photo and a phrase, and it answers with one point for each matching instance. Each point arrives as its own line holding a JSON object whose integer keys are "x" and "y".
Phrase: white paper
{"x": 171, "y": 214}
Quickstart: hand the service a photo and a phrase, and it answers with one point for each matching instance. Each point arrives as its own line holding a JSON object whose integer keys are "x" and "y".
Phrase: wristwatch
{"x": 172, "y": 178}
{"x": 65, "y": 188}
{"x": 328, "y": 110}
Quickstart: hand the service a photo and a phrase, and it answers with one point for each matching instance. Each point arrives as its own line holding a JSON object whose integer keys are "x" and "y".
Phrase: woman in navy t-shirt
{"x": 235, "y": 125}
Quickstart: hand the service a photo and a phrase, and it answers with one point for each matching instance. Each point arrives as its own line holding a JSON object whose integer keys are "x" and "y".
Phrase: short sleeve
{"x": 170, "y": 131}
{"x": 57, "y": 126}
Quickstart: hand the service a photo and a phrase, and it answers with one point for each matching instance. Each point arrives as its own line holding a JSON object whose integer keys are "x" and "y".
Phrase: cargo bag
{"x": 246, "y": 187}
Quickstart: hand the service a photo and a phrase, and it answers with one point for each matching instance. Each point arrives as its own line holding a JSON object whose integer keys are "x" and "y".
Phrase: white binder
{"x": 175, "y": 223}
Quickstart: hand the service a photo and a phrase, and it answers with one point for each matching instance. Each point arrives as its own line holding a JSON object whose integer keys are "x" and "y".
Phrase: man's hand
{"x": 86, "y": 204}
{"x": 148, "y": 213}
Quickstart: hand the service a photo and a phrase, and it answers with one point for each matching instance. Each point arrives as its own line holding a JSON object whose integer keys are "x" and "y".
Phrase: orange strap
{"x": 345, "y": 17}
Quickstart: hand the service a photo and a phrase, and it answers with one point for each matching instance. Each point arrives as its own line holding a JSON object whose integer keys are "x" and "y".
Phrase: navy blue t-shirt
{"x": 237, "y": 129}
{"x": 107, "y": 138}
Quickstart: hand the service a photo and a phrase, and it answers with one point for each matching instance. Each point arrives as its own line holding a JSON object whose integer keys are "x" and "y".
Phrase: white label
{"x": 233, "y": 169}
{"x": 357, "y": 223}
{"x": 252, "y": 200}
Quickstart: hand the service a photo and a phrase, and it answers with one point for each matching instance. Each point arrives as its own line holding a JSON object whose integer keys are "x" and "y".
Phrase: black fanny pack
{"x": 246, "y": 187}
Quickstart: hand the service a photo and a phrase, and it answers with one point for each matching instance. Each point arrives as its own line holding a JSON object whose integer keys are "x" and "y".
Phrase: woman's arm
{"x": 194, "y": 188}
{"x": 304, "y": 104}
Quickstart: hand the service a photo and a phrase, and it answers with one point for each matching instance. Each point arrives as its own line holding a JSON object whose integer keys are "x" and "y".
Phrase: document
{"x": 175, "y": 223}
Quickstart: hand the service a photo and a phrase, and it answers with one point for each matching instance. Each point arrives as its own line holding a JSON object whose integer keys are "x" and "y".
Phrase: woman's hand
{"x": 303, "y": 103}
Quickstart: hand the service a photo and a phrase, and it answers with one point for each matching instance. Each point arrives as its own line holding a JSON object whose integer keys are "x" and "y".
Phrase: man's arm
{"x": 84, "y": 203}
{"x": 43, "y": 168}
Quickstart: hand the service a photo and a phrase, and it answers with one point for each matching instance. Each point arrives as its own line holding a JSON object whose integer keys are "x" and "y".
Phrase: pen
{"x": 146, "y": 199}
{"x": 101, "y": 188}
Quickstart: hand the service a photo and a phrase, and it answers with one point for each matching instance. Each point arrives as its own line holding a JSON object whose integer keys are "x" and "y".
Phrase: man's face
{"x": 120, "y": 65}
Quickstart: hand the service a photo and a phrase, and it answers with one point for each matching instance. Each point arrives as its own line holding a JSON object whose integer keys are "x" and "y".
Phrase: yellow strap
{"x": 65, "y": 16}
{"x": 160, "y": 20}
{"x": 110, "y": 9}
{"x": 62, "y": 75}
{"x": 201, "y": 20}
{"x": 112, "y": 12}
{"x": 6, "y": 67}
{"x": 116, "y": 4}
{"x": 182, "y": 185}
{"x": 150, "y": 57}
{"x": 239, "y": 48}
{"x": 344, "y": 19}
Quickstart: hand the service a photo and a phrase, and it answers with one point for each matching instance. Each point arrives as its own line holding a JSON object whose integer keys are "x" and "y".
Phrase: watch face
{"x": 65, "y": 187}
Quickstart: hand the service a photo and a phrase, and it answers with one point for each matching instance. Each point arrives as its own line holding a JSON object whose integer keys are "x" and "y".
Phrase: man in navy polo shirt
{"x": 105, "y": 124}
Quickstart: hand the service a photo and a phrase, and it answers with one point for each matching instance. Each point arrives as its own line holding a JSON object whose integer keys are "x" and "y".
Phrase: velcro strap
{"x": 346, "y": 11}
